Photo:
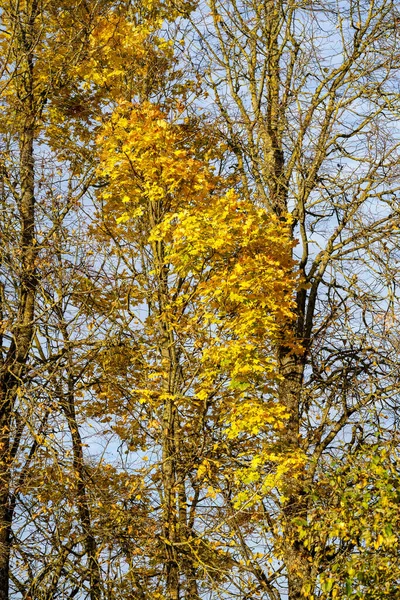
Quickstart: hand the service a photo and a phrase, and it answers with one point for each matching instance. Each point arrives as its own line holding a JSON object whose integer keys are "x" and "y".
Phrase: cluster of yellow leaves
{"x": 145, "y": 161}
{"x": 82, "y": 59}
{"x": 241, "y": 258}
{"x": 268, "y": 470}
{"x": 121, "y": 53}
{"x": 222, "y": 265}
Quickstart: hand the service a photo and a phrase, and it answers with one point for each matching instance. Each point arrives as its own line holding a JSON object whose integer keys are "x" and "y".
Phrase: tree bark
{"x": 82, "y": 499}
{"x": 13, "y": 365}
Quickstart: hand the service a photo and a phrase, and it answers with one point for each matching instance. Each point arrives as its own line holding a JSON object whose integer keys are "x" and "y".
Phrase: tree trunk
{"x": 12, "y": 369}
{"x": 13, "y": 365}
{"x": 291, "y": 368}
{"x": 170, "y": 516}
{"x": 82, "y": 499}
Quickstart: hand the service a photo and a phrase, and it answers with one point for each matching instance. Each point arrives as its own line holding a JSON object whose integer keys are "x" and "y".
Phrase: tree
{"x": 42, "y": 45}
{"x": 304, "y": 97}
{"x": 202, "y": 281}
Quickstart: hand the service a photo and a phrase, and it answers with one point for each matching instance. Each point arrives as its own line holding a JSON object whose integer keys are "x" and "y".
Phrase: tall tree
{"x": 304, "y": 96}
{"x": 205, "y": 281}
{"x": 42, "y": 44}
